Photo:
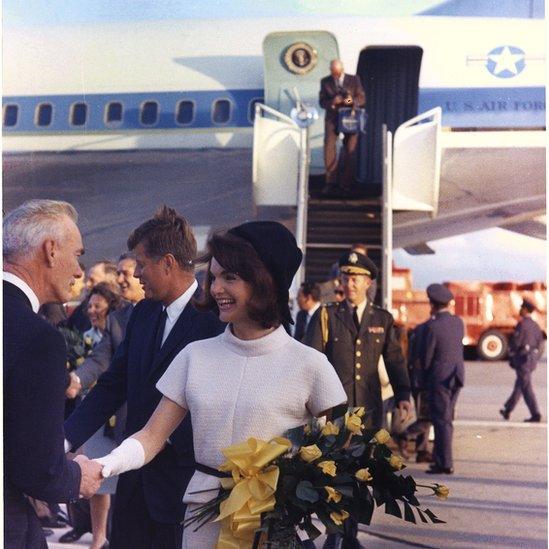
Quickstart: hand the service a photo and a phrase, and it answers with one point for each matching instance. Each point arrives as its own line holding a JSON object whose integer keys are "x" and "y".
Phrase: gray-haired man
{"x": 41, "y": 246}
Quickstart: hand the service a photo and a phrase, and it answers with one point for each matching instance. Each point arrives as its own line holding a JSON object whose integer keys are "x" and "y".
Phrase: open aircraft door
{"x": 411, "y": 180}
{"x": 299, "y": 59}
{"x": 416, "y": 163}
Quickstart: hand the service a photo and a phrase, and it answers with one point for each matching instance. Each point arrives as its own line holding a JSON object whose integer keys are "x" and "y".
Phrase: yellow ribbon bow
{"x": 253, "y": 485}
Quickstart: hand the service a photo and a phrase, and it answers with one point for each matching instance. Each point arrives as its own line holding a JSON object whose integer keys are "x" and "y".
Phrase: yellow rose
{"x": 330, "y": 429}
{"x": 309, "y": 453}
{"x": 363, "y": 475}
{"x": 333, "y": 494}
{"x": 328, "y": 467}
{"x": 360, "y": 411}
{"x": 338, "y": 518}
{"x": 396, "y": 462}
{"x": 79, "y": 361}
{"x": 441, "y": 491}
{"x": 382, "y": 436}
{"x": 354, "y": 424}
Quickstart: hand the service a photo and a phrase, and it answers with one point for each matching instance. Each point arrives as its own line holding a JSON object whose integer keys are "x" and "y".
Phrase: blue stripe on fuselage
{"x": 461, "y": 107}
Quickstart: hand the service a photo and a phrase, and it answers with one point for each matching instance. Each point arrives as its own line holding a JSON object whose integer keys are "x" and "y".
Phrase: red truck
{"x": 488, "y": 309}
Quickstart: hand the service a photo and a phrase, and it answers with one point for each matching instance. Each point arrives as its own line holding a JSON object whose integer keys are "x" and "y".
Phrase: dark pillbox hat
{"x": 439, "y": 293}
{"x": 277, "y": 248}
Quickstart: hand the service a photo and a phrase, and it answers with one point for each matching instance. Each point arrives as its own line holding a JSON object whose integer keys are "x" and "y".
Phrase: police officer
{"x": 444, "y": 373}
{"x": 354, "y": 334}
{"x": 525, "y": 349}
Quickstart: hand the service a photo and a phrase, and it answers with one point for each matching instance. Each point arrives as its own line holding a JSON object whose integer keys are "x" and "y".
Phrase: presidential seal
{"x": 300, "y": 58}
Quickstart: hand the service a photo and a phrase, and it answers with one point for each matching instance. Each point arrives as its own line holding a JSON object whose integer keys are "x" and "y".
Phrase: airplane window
{"x": 149, "y": 113}
{"x": 114, "y": 112}
{"x": 10, "y": 115}
{"x": 79, "y": 113}
{"x": 44, "y": 114}
{"x": 251, "y": 108}
{"x": 221, "y": 111}
{"x": 185, "y": 112}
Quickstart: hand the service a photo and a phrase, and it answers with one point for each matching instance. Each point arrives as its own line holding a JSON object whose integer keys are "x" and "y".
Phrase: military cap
{"x": 439, "y": 294}
{"x": 357, "y": 263}
{"x": 528, "y": 305}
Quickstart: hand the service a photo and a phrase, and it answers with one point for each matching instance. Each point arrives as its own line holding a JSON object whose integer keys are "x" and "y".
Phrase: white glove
{"x": 128, "y": 456}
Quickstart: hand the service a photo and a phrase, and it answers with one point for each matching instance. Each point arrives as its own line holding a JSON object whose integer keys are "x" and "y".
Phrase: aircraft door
{"x": 299, "y": 59}
{"x": 390, "y": 76}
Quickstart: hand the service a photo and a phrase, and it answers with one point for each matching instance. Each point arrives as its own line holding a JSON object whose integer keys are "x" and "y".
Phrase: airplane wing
{"x": 536, "y": 228}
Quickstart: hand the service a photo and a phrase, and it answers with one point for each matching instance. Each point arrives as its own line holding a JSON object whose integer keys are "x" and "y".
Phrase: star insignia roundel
{"x": 353, "y": 258}
{"x": 505, "y": 61}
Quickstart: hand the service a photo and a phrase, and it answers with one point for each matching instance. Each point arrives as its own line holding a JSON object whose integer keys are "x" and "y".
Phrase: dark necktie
{"x": 355, "y": 318}
{"x": 161, "y": 324}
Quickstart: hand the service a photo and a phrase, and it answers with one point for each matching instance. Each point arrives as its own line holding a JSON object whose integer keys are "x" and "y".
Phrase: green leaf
{"x": 345, "y": 490}
{"x": 391, "y": 507}
{"x": 433, "y": 517}
{"x": 421, "y": 515}
{"x": 306, "y": 492}
{"x": 312, "y": 531}
{"x": 408, "y": 513}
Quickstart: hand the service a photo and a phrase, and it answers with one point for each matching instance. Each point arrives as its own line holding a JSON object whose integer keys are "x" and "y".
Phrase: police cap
{"x": 357, "y": 263}
{"x": 528, "y": 305}
{"x": 437, "y": 293}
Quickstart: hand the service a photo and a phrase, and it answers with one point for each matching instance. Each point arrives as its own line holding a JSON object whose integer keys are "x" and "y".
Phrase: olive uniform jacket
{"x": 355, "y": 355}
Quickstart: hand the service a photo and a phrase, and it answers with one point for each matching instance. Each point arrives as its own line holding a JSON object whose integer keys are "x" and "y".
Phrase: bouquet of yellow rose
{"x": 336, "y": 471}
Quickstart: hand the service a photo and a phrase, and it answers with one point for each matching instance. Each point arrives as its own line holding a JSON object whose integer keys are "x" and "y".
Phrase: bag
{"x": 350, "y": 121}
{"x": 398, "y": 425}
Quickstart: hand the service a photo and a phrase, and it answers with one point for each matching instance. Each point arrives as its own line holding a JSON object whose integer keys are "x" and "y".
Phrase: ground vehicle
{"x": 488, "y": 309}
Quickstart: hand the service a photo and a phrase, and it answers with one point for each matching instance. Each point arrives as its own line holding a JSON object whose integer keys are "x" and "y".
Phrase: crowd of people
{"x": 175, "y": 371}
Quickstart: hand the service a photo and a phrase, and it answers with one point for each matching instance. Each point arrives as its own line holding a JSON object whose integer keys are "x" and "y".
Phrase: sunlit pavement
{"x": 498, "y": 493}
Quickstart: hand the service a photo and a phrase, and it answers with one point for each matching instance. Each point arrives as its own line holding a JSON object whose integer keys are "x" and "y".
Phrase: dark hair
{"x": 311, "y": 289}
{"x": 166, "y": 233}
{"x": 126, "y": 255}
{"x": 105, "y": 290}
{"x": 238, "y": 256}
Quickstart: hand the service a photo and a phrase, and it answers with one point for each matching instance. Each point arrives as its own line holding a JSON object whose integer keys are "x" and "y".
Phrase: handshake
{"x": 91, "y": 476}
{"x": 128, "y": 456}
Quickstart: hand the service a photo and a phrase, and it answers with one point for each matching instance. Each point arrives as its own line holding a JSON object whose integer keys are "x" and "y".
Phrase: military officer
{"x": 354, "y": 334}
{"x": 444, "y": 373}
{"x": 525, "y": 349}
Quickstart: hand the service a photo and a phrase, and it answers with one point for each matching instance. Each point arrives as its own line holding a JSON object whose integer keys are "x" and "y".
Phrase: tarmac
{"x": 498, "y": 494}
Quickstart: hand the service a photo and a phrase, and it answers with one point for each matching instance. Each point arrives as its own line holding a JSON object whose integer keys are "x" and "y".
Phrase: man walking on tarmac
{"x": 444, "y": 373}
{"x": 525, "y": 350}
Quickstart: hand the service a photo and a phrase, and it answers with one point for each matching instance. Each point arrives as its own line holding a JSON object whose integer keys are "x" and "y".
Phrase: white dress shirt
{"x": 24, "y": 287}
{"x": 310, "y": 313}
{"x": 175, "y": 308}
{"x": 360, "y": 308}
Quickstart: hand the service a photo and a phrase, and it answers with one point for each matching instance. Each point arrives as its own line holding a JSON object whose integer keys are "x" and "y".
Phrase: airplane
{"x": 189, "y": 85}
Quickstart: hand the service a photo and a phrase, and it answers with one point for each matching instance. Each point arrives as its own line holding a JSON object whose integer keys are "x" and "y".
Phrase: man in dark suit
{"x": 525, "y": 349}
{"x": 444, "y": 373}
{"x": 308, "y": 300}
{"x": 336, "y": 91}
{"x": 95, "y": 364}
{"x": 148, "y": 505}
{"x": 41, "y": 246}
